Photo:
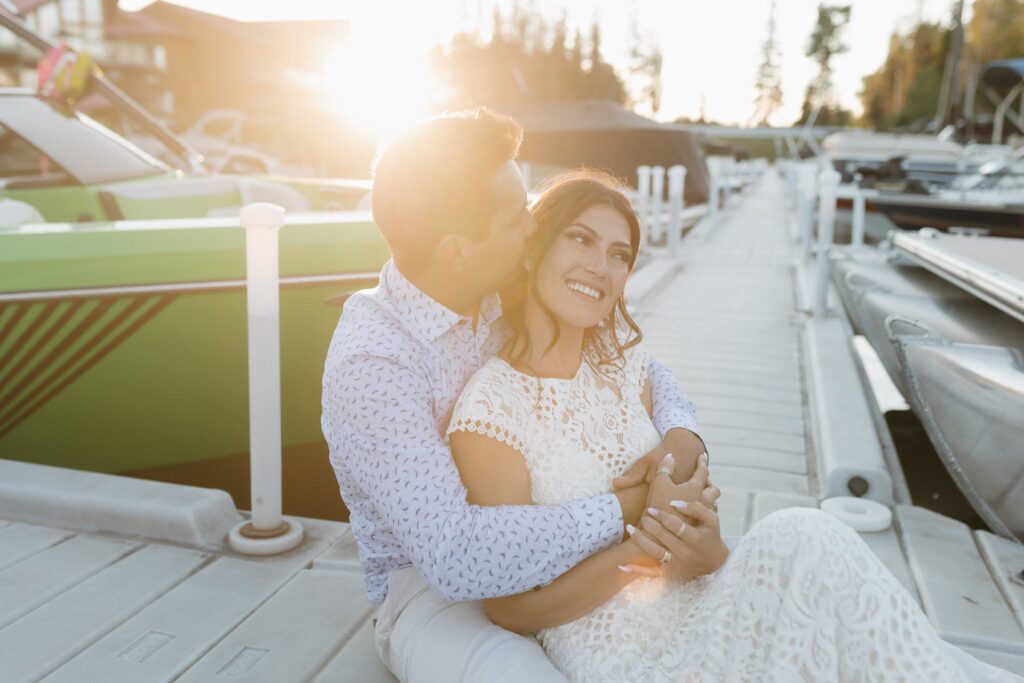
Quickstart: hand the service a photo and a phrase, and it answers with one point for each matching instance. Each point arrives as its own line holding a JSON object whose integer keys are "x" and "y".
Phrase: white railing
{"x": 724, "y": 177}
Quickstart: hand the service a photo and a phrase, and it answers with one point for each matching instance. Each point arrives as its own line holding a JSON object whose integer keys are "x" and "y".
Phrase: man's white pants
{"x": 424, "y": 638}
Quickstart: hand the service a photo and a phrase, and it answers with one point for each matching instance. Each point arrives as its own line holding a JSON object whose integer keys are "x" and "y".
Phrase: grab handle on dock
{"x": 266, "y": 533}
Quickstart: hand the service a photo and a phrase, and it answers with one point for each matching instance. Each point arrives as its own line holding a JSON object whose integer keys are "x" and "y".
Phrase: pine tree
{"x": 768, "y": 83}
{"x": 826, "y": 42}
{"x": 645, "y": 61}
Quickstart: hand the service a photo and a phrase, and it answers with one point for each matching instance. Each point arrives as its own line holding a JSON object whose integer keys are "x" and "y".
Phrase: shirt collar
{"x": 425, "y": 316}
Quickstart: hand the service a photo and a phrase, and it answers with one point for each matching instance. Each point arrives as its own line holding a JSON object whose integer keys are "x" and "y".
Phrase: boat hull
{"x": 127, "y": 351}
{"x": 970, "y": 399}
{"x": 967, "y": 321}
{"x": 913, "y": 214}
{"x": 856, "y": 273}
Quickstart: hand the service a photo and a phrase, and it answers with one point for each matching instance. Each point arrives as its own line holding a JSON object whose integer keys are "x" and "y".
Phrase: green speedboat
{"x": 123, "y": 314}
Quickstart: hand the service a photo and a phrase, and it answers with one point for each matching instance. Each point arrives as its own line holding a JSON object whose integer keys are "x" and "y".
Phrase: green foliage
{"x": 996, "y": 30}
{"x": 826, "y": 42}
{"x": 527, "y": 59}
{"x": 906, "y": 88}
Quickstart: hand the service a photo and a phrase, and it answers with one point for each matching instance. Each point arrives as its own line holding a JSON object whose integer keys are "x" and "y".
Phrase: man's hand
{"x": 684, "y": 445}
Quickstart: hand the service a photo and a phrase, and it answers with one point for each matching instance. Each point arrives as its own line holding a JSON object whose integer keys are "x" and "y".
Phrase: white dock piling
{"x": 807, "y": 180}
{"x": 676, "y": 200}
{"x": 828, "y": 183}
{"x": 857, "y": 238}
{"x": 643, "y": 196}
{"x": 657, "y": 192}
{"x": 266, "y": 533}
{"x": 714, "y": 186}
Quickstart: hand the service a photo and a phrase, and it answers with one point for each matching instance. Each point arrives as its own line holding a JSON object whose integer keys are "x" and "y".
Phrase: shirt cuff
{"x": 676, "y": 419}
{"x": 598, "y": 521}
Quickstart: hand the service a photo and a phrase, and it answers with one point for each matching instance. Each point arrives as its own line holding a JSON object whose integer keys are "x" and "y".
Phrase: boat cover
{"x": 602, "y": 134}
{"x": 1003, "y": 74}
{"x": 990, "y": 268}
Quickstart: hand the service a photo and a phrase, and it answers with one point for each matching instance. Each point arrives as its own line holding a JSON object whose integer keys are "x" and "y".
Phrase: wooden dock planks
{"x": 41, "y": 641}
{"x": 267, "y": 647}
{"x": 44, "y": 575}
{"x": 956, "y": 585}
{"x": 18, "y": 541}
{"x": 178, "y": 628}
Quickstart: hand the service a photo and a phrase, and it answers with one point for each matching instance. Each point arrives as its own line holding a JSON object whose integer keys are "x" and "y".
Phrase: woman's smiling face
{"x": 584, "y": 272}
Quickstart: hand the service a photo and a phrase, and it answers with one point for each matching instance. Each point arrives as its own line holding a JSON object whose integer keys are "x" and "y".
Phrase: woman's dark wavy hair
{"x": 564, "y": 197}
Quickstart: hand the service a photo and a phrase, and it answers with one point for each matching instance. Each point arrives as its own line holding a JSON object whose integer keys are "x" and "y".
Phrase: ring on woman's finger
{"x": 666, "y": 471}
{"x": 667, "y": 557}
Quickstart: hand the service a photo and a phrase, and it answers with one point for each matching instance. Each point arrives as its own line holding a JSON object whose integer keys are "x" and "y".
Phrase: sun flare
{"x": 377, "y": 83}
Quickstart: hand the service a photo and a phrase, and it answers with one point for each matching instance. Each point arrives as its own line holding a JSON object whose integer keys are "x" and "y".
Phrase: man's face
{"x": 498, "y": 255}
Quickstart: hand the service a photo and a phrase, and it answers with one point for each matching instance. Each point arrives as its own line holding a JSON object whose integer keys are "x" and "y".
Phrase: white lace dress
{"x": 801, "y": 597}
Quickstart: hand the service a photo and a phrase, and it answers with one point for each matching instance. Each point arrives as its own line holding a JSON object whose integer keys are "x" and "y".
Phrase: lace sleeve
{"x": 490, "y": 405}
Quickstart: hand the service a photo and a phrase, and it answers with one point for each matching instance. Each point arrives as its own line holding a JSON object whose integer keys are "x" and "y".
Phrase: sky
{"x": 711, "y": 48}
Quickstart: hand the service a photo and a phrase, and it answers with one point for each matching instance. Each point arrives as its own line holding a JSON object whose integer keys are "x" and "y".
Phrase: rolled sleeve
{"x": 672, "y": 408}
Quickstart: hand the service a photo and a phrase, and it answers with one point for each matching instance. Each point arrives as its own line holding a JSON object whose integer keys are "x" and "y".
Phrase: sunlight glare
{"x": 378, "y": 80}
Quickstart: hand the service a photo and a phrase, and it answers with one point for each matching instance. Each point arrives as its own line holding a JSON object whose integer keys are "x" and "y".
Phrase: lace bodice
{"x": 575, "y": 435}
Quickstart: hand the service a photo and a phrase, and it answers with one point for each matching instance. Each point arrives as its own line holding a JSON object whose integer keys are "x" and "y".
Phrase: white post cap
{"x": 261, "y": 215}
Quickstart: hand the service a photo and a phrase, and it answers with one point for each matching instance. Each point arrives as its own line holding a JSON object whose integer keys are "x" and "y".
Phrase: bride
{"x": 565, "y": 408}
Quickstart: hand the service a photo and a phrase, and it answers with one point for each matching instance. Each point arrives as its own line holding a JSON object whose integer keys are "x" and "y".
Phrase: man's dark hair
{"x": 434, "y": 178}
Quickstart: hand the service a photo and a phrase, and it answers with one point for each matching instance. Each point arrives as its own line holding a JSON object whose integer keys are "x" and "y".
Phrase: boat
{"x": 945, "y": 315}
{"x": 970, "y": 398}
{"x": 123, "y": 316}
{"x": 989, "y": 202}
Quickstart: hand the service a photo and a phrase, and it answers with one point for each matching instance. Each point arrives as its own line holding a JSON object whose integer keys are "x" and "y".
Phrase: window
{"x": 23, "y": 165}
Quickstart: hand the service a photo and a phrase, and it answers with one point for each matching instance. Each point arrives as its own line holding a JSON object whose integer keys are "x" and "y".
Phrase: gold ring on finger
{"x": 666, "y": 471}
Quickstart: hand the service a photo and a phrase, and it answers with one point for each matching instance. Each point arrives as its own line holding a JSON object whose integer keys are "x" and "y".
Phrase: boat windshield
{"x": 88, "y": 152}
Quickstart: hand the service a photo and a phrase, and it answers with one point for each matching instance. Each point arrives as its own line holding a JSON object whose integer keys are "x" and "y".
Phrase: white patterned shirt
{"x": 396, "y": 365}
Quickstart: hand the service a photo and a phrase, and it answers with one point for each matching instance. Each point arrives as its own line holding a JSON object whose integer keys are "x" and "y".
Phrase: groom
{"x": 451, "y": 203}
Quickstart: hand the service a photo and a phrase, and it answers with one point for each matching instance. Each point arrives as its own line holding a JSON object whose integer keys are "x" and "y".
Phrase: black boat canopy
{"x": 601, "y": 134}
{"x": 1004, "y": 74}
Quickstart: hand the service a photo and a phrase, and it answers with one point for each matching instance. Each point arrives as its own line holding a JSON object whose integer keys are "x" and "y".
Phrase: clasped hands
{"x": 679, "y": 533}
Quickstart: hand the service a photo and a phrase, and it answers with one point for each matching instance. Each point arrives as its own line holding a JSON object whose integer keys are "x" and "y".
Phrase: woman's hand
{"x": 697, "y": 488}
{"x": 686, "y": 544}
{"x": 684, "y": 445}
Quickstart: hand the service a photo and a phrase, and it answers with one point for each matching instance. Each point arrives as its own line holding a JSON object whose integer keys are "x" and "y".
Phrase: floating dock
{"x": 115, "y": 579}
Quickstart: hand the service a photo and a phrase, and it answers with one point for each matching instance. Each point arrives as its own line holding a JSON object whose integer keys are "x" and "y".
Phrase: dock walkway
{"x": 729, "y": 324}
{"x": 87, "y": 594}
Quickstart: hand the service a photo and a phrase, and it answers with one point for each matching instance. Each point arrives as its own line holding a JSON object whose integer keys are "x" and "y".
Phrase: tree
{"x": 527, "y": 59}
{"x": 768, "y": 84}
{"x": 996, "y": 30}
{"x": 907, "y": 86}
{"x": 645, "y": 61}
{"x": 906, "y": 89}
{"x": 826, "y": 42}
